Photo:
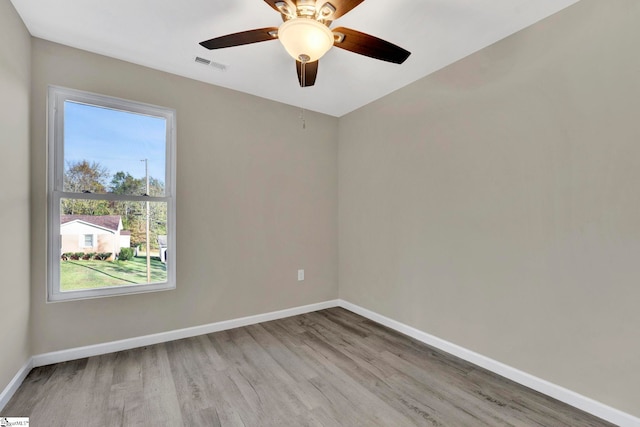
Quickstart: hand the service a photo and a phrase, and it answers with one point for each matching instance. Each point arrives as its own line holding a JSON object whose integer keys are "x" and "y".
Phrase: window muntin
{"x": 111, "y": 176}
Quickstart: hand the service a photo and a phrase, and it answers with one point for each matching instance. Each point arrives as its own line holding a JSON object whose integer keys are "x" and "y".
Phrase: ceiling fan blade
{"x": 342, "y": 6}
{"x": 307, "y": 73}
{"x": 364, "y": 44}
{"x": 244, "y": 37}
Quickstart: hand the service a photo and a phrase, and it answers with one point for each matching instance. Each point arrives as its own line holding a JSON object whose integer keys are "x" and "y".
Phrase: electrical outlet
{"x": 300, "y": 275}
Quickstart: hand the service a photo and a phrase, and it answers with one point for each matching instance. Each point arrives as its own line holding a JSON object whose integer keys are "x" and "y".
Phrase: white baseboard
{"x": 15, "y": 383}
{"x": 562, "y": 394}
{"x": 567, "y": 396}
{"x": 127, "y": 344}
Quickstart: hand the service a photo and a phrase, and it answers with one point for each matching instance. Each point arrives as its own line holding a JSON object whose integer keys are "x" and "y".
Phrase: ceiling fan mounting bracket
{"x": 306, "y": 9}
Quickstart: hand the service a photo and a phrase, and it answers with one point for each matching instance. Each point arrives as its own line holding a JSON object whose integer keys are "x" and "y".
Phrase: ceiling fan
{"x": 306, "y": 36}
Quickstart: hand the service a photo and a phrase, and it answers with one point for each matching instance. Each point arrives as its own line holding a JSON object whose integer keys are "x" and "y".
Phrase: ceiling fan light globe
{"x": 304, "y": 37}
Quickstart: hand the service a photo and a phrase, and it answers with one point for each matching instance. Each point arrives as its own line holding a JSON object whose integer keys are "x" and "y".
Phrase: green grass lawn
{"x": 75, "y": 275}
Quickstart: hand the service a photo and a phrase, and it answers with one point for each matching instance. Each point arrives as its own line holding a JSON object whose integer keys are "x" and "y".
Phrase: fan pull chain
{"x": 303, "y": 70}
{"x": 303, "y": 80}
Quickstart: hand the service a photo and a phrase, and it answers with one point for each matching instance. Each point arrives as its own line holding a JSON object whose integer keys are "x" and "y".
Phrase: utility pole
{"x": 146, "y": 173}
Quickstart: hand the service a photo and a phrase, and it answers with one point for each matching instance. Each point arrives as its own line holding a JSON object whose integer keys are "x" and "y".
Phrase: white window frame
{"x": 55, "y": 163}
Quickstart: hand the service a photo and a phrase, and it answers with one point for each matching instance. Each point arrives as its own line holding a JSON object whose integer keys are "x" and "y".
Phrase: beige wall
{"x": 15, "y": 63}
{"x": 256, "y": 201}
{"x": 496, "y": 203}
{"x": 493, "y": 204}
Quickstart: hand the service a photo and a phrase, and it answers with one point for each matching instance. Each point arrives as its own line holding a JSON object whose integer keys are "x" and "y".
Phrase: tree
{"x": 133, "y": 213}
{"x": 83, "y": 177}
{"x": 124, "y": 183}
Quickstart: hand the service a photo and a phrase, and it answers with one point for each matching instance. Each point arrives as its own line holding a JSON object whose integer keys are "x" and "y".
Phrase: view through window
{"x": 111, "y": 196}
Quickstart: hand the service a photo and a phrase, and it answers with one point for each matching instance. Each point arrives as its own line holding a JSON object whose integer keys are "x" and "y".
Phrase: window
{"x": 111, "y": 196}
{"x": 88, "y": 240}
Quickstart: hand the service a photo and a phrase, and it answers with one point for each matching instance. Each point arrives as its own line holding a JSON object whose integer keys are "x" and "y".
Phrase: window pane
{"x": 113, "y": 151}
{"x": 116, "y": 149}
{"x": 104, "y": 243}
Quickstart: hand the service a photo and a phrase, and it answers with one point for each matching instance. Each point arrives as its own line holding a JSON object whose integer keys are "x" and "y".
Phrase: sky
{"x": 118, "y": 140}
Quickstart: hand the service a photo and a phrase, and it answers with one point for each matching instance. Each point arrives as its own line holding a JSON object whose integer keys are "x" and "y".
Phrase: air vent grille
{"x": 204, "y": 61}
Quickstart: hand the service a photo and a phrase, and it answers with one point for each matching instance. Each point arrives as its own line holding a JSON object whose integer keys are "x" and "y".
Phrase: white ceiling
{"x": 164, "y": 34}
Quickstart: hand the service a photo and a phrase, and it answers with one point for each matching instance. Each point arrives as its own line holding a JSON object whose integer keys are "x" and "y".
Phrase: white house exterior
{"x": 88, "y": 233}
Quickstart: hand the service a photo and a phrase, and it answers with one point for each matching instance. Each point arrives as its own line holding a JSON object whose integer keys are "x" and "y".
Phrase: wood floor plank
{"x": 90, "y": 407}
{"x": 160, "y": 404}
{"x": 39, "y": 383}
{"x": 327, "y": 368}
{"x": 62, "y": 389}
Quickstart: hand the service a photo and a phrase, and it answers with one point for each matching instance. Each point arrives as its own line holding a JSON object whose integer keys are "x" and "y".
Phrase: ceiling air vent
{"x": 203, "y": 61}
{"x": 216, "y": 65}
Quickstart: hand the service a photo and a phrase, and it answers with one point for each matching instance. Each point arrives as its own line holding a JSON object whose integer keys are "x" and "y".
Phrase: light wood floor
{"x": 328, "y": 368}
